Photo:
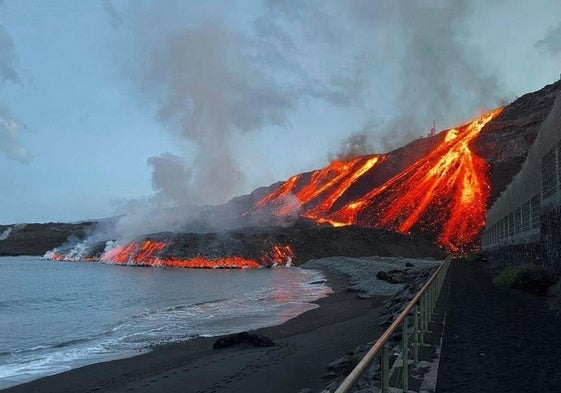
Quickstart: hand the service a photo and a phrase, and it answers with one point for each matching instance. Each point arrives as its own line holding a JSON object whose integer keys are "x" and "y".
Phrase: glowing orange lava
{"x": 444, "y": 193}
{"x": 324, "y": 187}
{"x": 149, "y": 253}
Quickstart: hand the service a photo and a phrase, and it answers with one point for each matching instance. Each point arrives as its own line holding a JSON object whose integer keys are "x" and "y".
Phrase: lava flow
{"x": 443, "y": 194}
{"x": 317, "y": 193}
{"x": 150, "y": 253}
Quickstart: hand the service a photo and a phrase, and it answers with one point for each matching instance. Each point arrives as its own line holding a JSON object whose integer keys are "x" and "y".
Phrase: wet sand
{"x": 304, "y": 346}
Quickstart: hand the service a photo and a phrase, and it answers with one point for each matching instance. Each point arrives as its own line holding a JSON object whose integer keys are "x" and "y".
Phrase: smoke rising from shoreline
{"x": 4, "y": 235}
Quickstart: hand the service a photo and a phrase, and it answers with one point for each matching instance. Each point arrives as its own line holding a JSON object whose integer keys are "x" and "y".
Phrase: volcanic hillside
{"x": 440, "y": 186}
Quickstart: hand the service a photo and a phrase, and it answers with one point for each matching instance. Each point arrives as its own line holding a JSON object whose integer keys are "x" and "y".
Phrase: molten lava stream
{"x": 149, "y": 253}
{"x": 324, "y": 187}
{"x": 444, "y": 193}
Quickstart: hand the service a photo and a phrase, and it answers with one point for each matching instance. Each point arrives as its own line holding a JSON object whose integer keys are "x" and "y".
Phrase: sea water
{"x": 55, "y": 316}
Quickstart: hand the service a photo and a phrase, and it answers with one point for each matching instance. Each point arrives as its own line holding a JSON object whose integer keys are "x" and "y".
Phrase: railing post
{"x": 405, "y": 354}
{"x": 427, "y": 316}
{"x": 431, "y": 290}
{"x": 422, "y": 316}
{"x": 385, "y": 369}
{"x": 416, "y": 335}
{"x": 431, "y": 303}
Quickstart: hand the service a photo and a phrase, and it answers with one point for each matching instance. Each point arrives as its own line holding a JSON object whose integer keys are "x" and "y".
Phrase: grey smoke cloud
{"x": 170, "y": 177}
{"x": 442, "y": 76}
{"x": 209, "y": 90}
{"x": 114, "y": 14}
{"x": 8, "y": 59}
{"x": 552, "y": 42}
{"x": 4, "y": 235}
{"x": 10, "y": 132}
{"x": 438, "y": 75}
{"x": 211, "y": 81}
{"x": 10, "y": 127}
{"x": 358, "y": 144}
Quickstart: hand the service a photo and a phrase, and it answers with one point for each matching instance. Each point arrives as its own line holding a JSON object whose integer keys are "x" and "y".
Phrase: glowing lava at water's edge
{"x": 443, "y": 194}
{"x": 153, "y": 253}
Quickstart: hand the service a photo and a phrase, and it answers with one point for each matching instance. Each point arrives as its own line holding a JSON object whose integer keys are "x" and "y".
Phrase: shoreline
{"x": 305, "y": 345}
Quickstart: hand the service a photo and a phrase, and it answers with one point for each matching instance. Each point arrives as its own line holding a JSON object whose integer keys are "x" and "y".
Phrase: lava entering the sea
{"x": 443, "y": 193}
{"x": 153, "y": 253}
{"x": 150, "y": 253}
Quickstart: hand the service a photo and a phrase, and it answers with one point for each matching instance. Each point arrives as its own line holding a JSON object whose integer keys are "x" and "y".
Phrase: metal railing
{"x": 422, "y": 308}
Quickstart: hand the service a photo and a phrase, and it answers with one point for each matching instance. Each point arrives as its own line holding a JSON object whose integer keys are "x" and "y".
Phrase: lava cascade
{"x": 313, "y": 196}
{"x": 443, "y": 194}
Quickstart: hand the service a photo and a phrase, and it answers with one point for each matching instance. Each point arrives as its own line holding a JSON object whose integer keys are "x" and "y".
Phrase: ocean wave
{"x": 110, "y": 317}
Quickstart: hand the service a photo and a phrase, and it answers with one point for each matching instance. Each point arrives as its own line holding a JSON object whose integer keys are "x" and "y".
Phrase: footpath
{"x": 496, "y": 339}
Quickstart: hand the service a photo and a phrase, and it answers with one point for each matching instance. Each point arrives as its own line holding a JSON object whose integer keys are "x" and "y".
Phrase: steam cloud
{"x": 552, "y": 42}
{"x": 355, "y": 145}
{"x": 209, "y": 90}
{"x": 438, "y": 74}
{"x": 212, "y": 81}
{"x": 10, "y": 126}
{"x": 4, "y": 235}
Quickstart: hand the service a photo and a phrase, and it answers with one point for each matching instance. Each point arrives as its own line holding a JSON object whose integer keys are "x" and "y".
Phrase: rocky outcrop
{"x": 253, "y": 339}
{"x": 36, "y": 239}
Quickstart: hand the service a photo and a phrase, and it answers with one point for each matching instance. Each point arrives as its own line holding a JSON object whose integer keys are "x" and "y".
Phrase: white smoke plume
{"x": 10, "y": 127}
{"x": 209, "y": 90}
{"x": 4, "y": 235}
{"x": 438, "y": 75}
{"x": 552, "y": 42}
{"x": 212, "y": 82}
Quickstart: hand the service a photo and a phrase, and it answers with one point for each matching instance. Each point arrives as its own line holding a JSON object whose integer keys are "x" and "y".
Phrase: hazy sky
{"x": 108, "y": 104}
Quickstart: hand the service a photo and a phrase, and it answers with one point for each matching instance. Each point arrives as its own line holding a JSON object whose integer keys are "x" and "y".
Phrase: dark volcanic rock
{"x": 307, "y": 241}
{"x": 37, "y": 239}
{"x": 256, "y": 340}
{"x": 393, "y": 277}
{"x": 298, "y": 243}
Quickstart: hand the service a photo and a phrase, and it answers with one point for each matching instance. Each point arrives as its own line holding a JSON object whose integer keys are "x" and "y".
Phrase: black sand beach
{"x": 304, "y": 346}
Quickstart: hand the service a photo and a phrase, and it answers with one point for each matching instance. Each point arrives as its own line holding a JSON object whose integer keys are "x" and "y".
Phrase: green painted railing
{"x": 420, "y": 309}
